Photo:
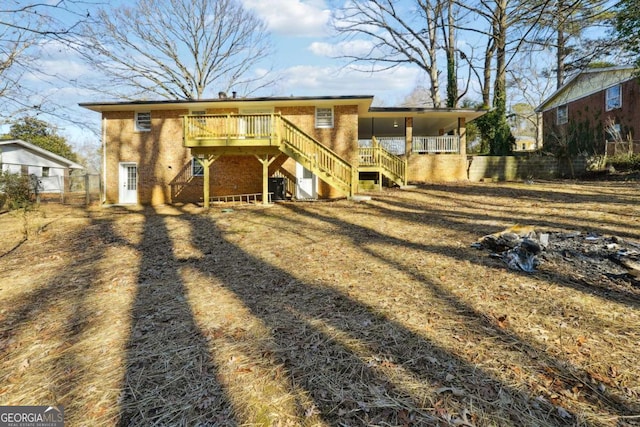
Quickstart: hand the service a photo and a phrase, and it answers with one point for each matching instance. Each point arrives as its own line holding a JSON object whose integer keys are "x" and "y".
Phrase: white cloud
{"x": 346, "y": 48}
{"x": 55, "y": 62}
{"x": 387, "y": 86}
{"x": 292, "y": 17}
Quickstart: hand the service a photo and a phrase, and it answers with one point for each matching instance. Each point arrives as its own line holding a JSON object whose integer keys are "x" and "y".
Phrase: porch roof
{"x": 424, "y": 118}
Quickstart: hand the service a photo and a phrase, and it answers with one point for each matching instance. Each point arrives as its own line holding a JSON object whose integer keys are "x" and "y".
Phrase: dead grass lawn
{"x": 328, "y": 313}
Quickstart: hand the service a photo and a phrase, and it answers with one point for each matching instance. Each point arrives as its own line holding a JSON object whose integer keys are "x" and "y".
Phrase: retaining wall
{"x": 517, "y": 168}
{"x": 451, "y": 167}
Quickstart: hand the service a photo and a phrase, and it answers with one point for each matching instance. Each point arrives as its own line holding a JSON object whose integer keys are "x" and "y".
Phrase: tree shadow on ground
{"x": 536, "y": 357}
{"x": 170, "y": 377}
{"x": 536, "y": 192}
{"x": 472, "y": 223}
{"x": 462, "y": 196}
{"x": 60, "y": 314}
{"x": 342, "y": 351}
{"x": 517, "y": 215}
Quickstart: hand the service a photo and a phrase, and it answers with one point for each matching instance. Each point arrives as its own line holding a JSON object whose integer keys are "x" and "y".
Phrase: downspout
{"x": 104, "y": 159}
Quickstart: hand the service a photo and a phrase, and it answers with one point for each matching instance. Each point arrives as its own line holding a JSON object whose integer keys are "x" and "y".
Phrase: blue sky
{"x": 303, "y": 58}
{"x": 305, "y": 55}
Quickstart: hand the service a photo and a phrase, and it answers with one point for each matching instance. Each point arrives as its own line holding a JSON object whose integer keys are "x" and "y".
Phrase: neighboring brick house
{"x": 158, "y": 152}
{"x": 596, "y": 106}
{"x": 51, "y": 170}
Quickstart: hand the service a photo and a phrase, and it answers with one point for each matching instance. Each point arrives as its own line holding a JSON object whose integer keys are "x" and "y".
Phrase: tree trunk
{"x": 500, "y": 38}
{"x": 561, "y": 49}
{"x": 452, "y": 70}
{"x": 432, "y": 22}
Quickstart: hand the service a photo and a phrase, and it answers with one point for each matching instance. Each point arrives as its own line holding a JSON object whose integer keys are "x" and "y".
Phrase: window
{"x": 324, "y": 117}
{"x": 143, "y": 121}
{"x": 196, "y": 168}
{"x": 45, "y": 171}
{"x": 562, "y": 115}
{"x": 614, "y": 97}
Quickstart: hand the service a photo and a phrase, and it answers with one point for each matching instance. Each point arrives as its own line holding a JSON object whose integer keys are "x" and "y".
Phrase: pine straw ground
{"x": 320, "y": 314}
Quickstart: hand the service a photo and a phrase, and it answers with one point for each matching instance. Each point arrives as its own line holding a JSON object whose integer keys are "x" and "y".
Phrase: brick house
{"x": 157, "y": 152}
{"x": 591, "y": 110}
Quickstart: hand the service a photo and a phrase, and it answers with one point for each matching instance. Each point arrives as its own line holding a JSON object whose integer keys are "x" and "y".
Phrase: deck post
{"x": 266, "y": 162}
{"x": 206, "y": 162}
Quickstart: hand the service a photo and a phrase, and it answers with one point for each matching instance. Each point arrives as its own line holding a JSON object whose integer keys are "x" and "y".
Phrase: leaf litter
{"x": 337, "y": 313}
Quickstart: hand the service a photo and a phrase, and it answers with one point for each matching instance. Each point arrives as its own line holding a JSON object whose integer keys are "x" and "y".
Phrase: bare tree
{"x": 529, "y": 86}
{"x": 177, "y": 49}
{"x": 448, "y": 26}
{"x": 576, "y": 31}
{"x": 24, "y": 26}
{"x": 399, "y": 33}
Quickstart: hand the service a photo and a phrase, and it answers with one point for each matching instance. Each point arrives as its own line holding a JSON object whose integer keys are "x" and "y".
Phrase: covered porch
{"x": 405, "y": 131}
{"x": 422, "y": 137}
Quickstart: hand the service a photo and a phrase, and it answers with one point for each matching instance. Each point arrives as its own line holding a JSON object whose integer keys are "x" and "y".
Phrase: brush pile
{"x": 587, "y": 256}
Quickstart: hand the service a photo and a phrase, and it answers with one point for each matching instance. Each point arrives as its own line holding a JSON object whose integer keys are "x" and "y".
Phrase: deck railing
{"x": 229, "y": 126}
{"x": 319, "y": 157}
{"x": 436, "y": 144}
{"x": 421, "y": 144}
{"x": 378, "y": 156}
{"x": 273, "y": 130}
{"x": 393, "y": 144}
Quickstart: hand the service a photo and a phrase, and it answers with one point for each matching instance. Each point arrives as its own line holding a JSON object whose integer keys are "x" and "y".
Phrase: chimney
{"x": 222, "y": 95}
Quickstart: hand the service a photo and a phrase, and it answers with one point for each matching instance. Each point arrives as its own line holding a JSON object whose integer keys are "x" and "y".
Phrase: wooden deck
{"x": 267, "y": 135}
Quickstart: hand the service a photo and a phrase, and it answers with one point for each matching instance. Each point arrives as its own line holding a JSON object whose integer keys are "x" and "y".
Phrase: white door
{"x": 128, "y": 183}
{"x": 307, "y": 187}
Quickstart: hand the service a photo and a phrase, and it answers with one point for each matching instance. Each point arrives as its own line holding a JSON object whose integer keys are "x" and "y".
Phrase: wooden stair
{"x": 269, "y": 133}
{"x": 320, "y": 160}
{"x": 377, "y": 159}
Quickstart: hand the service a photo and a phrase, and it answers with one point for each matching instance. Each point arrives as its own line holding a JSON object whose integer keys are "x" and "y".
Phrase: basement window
{"x": 196, "y": 168}
{"x": 562, "y": 115}
{"x": 613, "y": 98}
{"x": 143, "y": 121}
{"x": 324, "y": 117}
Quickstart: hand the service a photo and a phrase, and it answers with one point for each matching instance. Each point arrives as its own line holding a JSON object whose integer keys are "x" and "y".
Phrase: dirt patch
{"x": 340, "y": 313}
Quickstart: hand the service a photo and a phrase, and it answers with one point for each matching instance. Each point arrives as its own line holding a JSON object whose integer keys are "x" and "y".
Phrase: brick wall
{"x": 436, "y": 168}
{"x": 448, "y": 168}
{"x": 587, "y": 118}
{"x": 518, "y": 168}
{"x": 342, "y": 138}
{"x": 157, "y": 162}
{"x": 161, "y": 156}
